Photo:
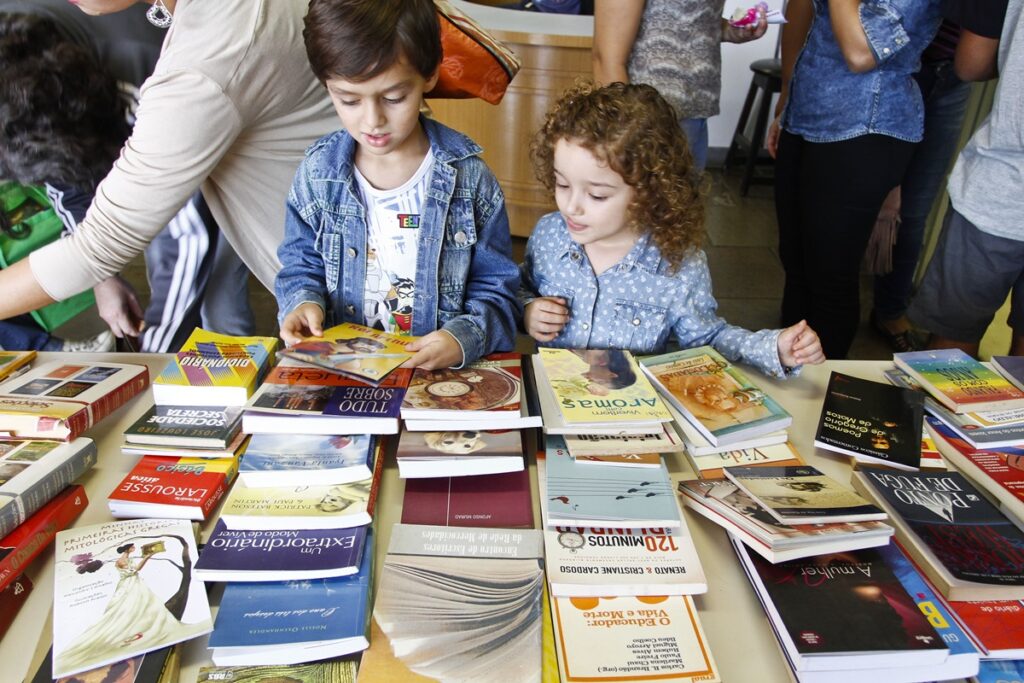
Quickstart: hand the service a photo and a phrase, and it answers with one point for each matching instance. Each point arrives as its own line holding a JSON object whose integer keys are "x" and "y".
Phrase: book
{"x": 355, "y": 351}
{"x": 157, "y": 666}
{"x": 958, "y": 381}
{"x": 714, "y": 395}
{"x": 964, "y": 545}
{"x": 1010, "y": 367}
{"x": 697, "y": 444}
{"x": 996, "y": 627}
{"x": 61, "y": 400}
{"x": 122, "y": 589}
{"x": 665, "y": 440}
{"x": 34, "y": 472}
{"x": 214, "y": 369}
{"x": 621, "y": 497}
{"x": 307, "y": 400}
{"x": 1000, "y": 671}
{"x": 458, "y": 453}
{"x": 232, "y": 450}
{"x": 283, "y": 555}
{"x": 596, "y": 392}
{"x": 713, "y": 466}
{"x": 12, "y": 363}
{"x": 488, "y": 500}
{"x": 802, "y": 495}
{"x": 193, "y": 426}
{"x": 871, "y": 422}
{"x": 173, "y": 488}
{"x": 12, "y": 599}
{"x": 298, "y": 459}
{"x": 725, "y": 504}
{"x": 631, "y": 460}
{"x": 292, "y": 622}
{"x": 457, "y": 604}
{"x": 660, "y": 639}
{"x": 34, "y": 535}
{"x": 330, "y": 671}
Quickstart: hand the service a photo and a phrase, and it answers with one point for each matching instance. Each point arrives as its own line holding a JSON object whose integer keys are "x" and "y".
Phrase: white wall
{"x": 736, "y": 74}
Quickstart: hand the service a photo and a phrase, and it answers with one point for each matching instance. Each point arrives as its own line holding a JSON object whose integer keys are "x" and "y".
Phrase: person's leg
{"x": 787, "y": 194}
{"x": 21, "y": 333}
{"x": 696, "y": 131}
{"x": 226, "y": 306}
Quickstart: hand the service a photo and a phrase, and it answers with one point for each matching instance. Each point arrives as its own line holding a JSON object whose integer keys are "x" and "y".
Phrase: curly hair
{"x": 636, "y": 132}
{"x": 62, "y": 119}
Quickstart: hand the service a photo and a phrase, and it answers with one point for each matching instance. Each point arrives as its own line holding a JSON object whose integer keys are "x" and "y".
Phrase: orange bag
{"x": 475, "y": 64}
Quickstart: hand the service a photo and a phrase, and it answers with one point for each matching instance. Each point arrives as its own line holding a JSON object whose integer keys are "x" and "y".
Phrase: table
{"x": 737, "y": 630}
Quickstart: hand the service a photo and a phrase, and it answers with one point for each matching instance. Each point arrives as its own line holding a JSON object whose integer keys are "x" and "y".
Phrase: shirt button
{"x": 351, "y": 252}
{"x": 460, "y": 237}
{"x": 585, "y": 326}
{"x": 350, "y": 309}
{"x": 575, "y": 256}
{"x": 886, "y": 50}
{"x": 636, "y": 322}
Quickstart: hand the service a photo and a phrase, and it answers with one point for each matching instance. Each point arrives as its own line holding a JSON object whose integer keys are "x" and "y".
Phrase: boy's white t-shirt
{"x": 392, "y": 242}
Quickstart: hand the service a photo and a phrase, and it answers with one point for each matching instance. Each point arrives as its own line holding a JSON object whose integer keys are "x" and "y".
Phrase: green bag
{"x": 28, "y": 222}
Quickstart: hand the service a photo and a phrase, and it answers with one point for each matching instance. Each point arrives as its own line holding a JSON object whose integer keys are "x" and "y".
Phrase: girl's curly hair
{"x": 637, "y": 132}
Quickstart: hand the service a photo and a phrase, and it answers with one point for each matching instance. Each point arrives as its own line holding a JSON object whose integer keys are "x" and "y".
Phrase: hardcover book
{"x": 33, "y": 536}
{"x": 958, "y": 381}
{"x": 713, "y": 466}
{"x": 285, "y": 555}
{"x": 12, "y": 599}
{"x": 214, "y": 369}
{"x": 173, "y": 488}
{"x": 331, "y": 671}
{"x": 965, "y": 546}
{"x": 871, "y": 422}
{"x": 714, "y": 395}
{"x": 122, "y": 589}
{"x": 489, "y": 500}
{"x": 459, "y": 453}
{"x": 12, "y": 362}
{"x": 298, "y": 459}
{"x": 61, "y": 400}
{"x": 359, "y": 352}
{"x": 34, "y": 472}
{"x": 1010, "y": 367}
{"x": 195, "y": 426}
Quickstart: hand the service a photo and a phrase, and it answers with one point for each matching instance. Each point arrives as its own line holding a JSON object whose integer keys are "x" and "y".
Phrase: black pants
{"x": 827, "y": 196}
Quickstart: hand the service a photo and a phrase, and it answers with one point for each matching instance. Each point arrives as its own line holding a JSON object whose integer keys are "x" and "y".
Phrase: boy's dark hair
{"x": 62, "y": 119}
{"x": 358, "y": 39}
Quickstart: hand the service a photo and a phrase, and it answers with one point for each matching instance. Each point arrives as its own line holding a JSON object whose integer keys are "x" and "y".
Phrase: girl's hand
{"x": 307, "y": 320}
{"x": 434, "y": 351}
{"x": 799, "y": 345}
{"x": 545, "y": 317}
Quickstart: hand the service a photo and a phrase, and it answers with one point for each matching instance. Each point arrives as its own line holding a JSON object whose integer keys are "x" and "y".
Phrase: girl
{"x": 620, "y": 265}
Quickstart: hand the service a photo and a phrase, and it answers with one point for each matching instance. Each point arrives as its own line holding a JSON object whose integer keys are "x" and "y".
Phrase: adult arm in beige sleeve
{"x": 616, "y": 23}
{"x": 185, "y": 124}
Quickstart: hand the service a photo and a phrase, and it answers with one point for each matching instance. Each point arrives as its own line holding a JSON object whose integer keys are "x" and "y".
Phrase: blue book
{"x": 579, "y": 494}
{"x": 285, "y": 555}
{"x": 306, "y": 459}
{"x": 291, "y": 622}
{"x": 1000, "y": 671}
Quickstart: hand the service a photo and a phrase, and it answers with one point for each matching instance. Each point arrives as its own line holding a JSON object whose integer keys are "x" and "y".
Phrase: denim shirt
{"x": 637, "y": 303}
{"x": 466, "y": 281}
{"x": 828, "y": 102}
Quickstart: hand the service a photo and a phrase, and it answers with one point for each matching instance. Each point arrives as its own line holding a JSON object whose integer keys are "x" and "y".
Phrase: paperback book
{"x": 193, "y": 426}
{"x": 214, "y": 369}
{"x": 713, "y": 466}
{"x": 361, "y": 353}
{"x": 34, "y": 535}
{"x": 489, "y": 501}
{"x": 459, "y": 453}
{"x": 157, "y": 666}
{"x": 122, "y": 589}
{"x": 958, "y": 381}
{"x": 172, "y": 488}
{"x": 996, "y": 627}
{"x": 13, "y": 363}
{"x": 1010, "y": 367}
{"x": 665, "y": 440}
{"x": 697, "y": 444}
{"x": 714, "y": 395}
{"x": 34, "y": 472}
{"x": 631, "y": 460}
{"x": 330, "y": 671}
{"x": 1000, "y": 671}
{"x": 306, "y": 459}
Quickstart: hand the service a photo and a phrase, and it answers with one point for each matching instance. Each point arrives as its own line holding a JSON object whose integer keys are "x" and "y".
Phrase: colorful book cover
{"x": 32, "y": 473}
{"x": 1000, "y": 671}
{"x": 294, "y": 389}
{"x": 958, "y": 381}
{"x": 871, "y": 421}
{"x": 210, "y": 367}
{"x": 717, "y": 398}
{"x": 489, "y": 500}
{"x": 635, "y": 638}
{"x": 490, "y": 386}
{"x": 287, "y": 555}
{"x": 158, "y": 666}
{"x": 359, "y": 352}
{"x": 665, "y": 440}
{"x": 280, "y": 459}
{"x": 33, "y": 536}
{"x": 176, "y": 488}
{"x": 713, "y": 466}
{"x": 13, "y": 361}
{"x": 122, "y": 589}
{"x": 1010, "y": 367}
{"x": 459, "y": 453}
{"x": 996, "y": 626}
{"x": 802, "y": 495}
{"x": 199, "y": 426}
{"x": 331, "y": 671}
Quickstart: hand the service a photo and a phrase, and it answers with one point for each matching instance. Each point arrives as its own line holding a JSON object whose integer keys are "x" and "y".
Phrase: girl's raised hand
{"x": 545, "y": 317}
{"x": 799, "y": 345}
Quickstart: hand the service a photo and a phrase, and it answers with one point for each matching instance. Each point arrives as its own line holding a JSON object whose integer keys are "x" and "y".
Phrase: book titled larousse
{"x": 175, "y": 488}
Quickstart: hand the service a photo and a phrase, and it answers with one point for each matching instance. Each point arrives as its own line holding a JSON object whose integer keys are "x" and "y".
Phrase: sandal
{"x": 900, "y": 342}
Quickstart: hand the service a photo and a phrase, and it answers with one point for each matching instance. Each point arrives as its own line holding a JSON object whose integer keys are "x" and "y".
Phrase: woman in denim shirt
{"x": 852, "y": 114}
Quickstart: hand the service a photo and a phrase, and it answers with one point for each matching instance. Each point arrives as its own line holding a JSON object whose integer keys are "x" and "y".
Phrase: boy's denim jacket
{"x": 466, "y": 281}
{"x": 829, "y": 103}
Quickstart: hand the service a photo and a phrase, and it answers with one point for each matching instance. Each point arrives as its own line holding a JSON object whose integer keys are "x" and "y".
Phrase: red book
{"x": 170, "y": 487}
{"x": 21, "y": 546}
{"x": 12, "y": 599}
{"x": 996, "y": 626}
{"x": 489, "y": 500}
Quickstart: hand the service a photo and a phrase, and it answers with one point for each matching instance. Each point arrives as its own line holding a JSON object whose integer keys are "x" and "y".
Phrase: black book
{"x": 194, "y": 426}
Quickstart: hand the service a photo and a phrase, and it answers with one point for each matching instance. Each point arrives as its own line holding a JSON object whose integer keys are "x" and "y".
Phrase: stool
{"x": 768, "y": 79}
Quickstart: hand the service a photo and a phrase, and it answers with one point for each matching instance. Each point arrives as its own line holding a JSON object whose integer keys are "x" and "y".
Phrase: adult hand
{"x": 306, "y": 320}
{"x": 799, "y": 345}
{"x": 118, "y": 305}
{"x": 545, "y": 317}
{"x": 434, "y": 351}
{"x": 744, "y": 34}
{"x": 771, "y": 141}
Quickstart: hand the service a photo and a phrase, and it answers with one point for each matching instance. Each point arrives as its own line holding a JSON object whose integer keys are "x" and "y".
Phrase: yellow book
{"x": 355, "y": 351}
{"x": 13, "y": 361}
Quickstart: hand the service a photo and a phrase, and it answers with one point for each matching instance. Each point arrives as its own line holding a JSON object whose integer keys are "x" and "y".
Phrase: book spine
{"x": 117, "y": 397}
{"x": 31, "y": 543}
{"x": 46, "y": 487}
{"x": 378, "y": 468}
{"x": 78, "y": 423}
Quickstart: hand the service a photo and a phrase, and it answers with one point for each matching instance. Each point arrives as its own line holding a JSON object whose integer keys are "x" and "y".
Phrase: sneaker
{"x": 101, "y": 343}
{"x": 900, "y": 342}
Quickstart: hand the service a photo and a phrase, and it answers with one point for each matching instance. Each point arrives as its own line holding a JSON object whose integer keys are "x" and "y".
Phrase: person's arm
{"x": 616, "y": 23}
{"x": 799, "y": 16}
{"x": 303, "y": 275}
{"x": 976, "y": 57}
{"x": 850, "y": 34}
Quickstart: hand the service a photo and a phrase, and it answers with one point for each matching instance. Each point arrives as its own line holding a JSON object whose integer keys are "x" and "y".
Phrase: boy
{"x": 394, "y": 221}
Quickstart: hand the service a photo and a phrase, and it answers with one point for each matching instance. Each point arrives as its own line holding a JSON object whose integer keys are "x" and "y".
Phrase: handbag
{"x": 475, "y": 63}
{"x": 28, "y": 222}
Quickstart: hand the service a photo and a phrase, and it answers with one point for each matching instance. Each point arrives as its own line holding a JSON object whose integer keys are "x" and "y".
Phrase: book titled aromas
{"x": 355, "y": 351}
{"x": 872, "y": 422}
{"x": 61, "y": 400}
{"x": 33, "y": 536}
{"x": 195, "y": 426}
{"x": 489, "y": 500}
{"x": 802, "y": 495}
{"x": 965, "y": 546}
{"x": 306, "y": 459}
{"x": 958, "y": 381}
{"x": 122, "y": 589}
{"x": 174, "y": 488}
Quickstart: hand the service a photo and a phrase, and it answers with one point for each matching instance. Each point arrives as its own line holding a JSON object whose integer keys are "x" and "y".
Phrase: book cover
{"x": 359, "y": 352}
{"x": 197, "y": 426}
{"x": 284, "y": 555}
{"x": 995, "y": 626}
{"x": 331, "y": 671}
{"x": 34, "y": 472}
{"x": 459, "y": 453}
{"x": 631, "y": 460}
{"x": 122, "y": 589}
{"x": 489, "y": 500}
{"x": 31, "y": 537}
{"x": 12, "y": 599}
{"x": 60, "y": 400}
{"x": 713, "y": 466}
{"x": 11, "y": 362}
{"x": 176, "y": 488}
{"x": 802, "y": 495}
{"x": 297, "y": 459}
{"x": 871, "y": 421}
{"x": 292, "y": 622}
{"x": 491, "y": 387}
{"x": 214, "y": 369}
{"x": 635, "y": 638}
{"x": 158, "y": 666}
{"x": 665, "y": 440}
{"x": 716, "y": 397}
{"x": 1010, "y": 367}
{"x": 1000, "y": 671}
{"x": 458, "y": 604}
{"x": 583, "y": 495}
{"x": 958, "y": 381}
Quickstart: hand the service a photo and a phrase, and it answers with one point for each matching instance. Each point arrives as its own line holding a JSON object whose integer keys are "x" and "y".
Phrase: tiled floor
{"x": 742, "y": 252}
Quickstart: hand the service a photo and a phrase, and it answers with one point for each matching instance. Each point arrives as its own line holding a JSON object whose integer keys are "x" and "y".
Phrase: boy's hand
{"x": 799, "y": 345}
{"x": 545, "y": 317}
{"x": 306, "y": 320}
{"x": 435, "y": 351}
